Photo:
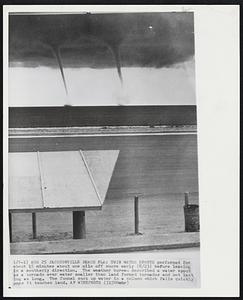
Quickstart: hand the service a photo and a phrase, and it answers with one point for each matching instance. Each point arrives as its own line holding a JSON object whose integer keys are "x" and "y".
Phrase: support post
{"x": 79, "y": 230}
{"x": 10, "y": 226}
{"x": 136, "y": 216}
{"x": 34, "y": 225}
{"x": 186, "y": 198}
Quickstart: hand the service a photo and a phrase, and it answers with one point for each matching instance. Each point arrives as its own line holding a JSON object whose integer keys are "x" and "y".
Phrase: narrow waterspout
{"x": 56, "y": 51}
{"x": 115, "y": 51}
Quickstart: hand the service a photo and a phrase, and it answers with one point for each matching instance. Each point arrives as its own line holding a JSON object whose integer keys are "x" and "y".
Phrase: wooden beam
{"x": 90, "y": 176}
{"x": 136, "y": 215}
{"x": 34, "y": 225}
{"x": 186, "y": 198}
{"x": 10, "y": 226}
{"x": 41, "y": 179}
{"x": 54, "y": 209}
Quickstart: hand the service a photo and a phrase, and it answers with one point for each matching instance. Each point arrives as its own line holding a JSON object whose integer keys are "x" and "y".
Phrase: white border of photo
{"x": 217, "y": 97}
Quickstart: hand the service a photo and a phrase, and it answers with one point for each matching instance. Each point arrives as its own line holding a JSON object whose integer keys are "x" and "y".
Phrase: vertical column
{"x": 10, "y": 226}
{"x": 186, "y": 198}
{"x": 34, "y": 225}
{"x": 79, "y": 230}
{"x": 136, "y": 217}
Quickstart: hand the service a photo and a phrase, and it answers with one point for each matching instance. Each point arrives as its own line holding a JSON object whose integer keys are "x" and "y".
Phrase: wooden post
{"x": 79, "y": 230}
{"x": 10, "y": 226}
{"x": 136, "y": 216}
{"x": 186, "y": 198}
{"x": 34, "y": 225}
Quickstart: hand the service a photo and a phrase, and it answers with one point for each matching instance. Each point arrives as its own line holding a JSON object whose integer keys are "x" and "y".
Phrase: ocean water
{"x": 171, "y": 115}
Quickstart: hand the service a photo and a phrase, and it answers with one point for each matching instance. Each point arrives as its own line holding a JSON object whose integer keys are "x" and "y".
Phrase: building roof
{"x": 68, "y": 180}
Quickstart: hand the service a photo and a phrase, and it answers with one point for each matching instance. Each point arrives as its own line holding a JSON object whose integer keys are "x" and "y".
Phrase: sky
{"x": 43, "y": 86}
{"x": 102, "y": 59}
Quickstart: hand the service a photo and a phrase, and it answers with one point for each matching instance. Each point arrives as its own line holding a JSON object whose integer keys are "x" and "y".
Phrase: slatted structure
{"x": 61, "y": 180}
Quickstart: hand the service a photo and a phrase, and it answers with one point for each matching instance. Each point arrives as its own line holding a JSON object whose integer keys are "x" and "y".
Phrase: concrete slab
{"x": 127, "y": 243}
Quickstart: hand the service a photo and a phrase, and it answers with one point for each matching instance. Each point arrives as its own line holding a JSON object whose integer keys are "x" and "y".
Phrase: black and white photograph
{"x": 103, "y": 132}
{"x": 103, "y": 145}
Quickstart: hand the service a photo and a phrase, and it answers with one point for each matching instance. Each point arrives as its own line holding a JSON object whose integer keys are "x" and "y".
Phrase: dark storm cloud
{"x": 101, "y": 40}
